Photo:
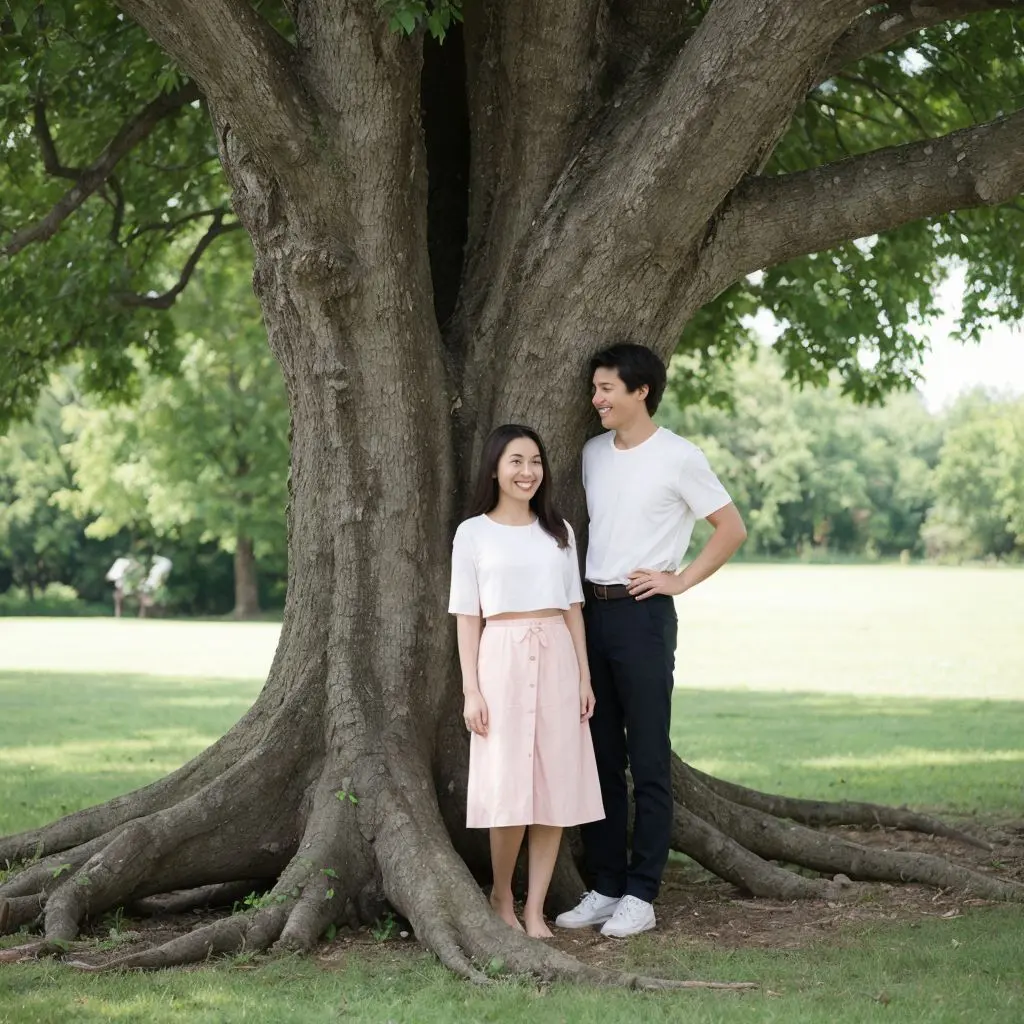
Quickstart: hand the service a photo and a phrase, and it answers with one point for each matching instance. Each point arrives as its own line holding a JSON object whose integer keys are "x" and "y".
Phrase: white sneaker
{"x": 632, "y": 916}
{"x": 592, "y": 909}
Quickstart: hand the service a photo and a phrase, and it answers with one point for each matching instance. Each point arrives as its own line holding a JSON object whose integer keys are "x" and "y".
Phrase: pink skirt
{"x": 536, "y": 765}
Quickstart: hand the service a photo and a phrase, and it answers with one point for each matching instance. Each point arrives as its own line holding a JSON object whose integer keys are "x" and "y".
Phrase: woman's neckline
{"x": 511, "y": 526}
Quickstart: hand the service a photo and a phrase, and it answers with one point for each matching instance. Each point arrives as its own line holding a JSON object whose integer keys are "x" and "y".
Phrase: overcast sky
{"x": 951, "y": 366}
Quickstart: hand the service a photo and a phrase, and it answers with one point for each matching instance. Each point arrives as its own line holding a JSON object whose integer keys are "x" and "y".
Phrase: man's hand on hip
{"x": 644, "y": 583}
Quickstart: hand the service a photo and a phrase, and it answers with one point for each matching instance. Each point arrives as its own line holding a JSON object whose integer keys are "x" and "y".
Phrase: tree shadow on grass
{"x": 70, "y": 741}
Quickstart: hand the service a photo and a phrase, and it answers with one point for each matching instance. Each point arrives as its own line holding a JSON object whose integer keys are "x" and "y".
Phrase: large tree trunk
{"x": 587, "y": 219}
{"x": 247, "y": 590}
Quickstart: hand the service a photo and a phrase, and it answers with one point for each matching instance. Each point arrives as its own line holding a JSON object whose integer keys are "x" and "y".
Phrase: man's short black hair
{"x": 637, "y": 365}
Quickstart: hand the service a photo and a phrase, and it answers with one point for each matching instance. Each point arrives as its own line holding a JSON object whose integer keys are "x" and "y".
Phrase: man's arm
{"x": 721, "y": 546}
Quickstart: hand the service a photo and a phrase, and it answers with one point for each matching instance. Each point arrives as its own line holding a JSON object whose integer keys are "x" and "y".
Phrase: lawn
{"x": 891, "y": 684}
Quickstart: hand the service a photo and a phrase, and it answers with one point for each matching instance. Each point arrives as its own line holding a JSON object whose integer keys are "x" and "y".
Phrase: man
{"x": 645, "y": 487}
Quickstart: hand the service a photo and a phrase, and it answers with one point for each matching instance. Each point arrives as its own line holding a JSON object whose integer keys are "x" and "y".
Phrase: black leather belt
{"x": 607, "y": 592}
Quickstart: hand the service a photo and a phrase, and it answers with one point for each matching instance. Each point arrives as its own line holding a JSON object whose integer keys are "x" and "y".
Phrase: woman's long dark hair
{"x": 485, "y": 494}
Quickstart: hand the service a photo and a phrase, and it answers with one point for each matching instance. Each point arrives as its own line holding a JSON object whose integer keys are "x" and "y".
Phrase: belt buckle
{"x": 601, "y": 591}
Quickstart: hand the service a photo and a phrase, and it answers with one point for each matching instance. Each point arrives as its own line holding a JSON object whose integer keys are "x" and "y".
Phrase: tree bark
{"x": 595, "y": 208}
{"x": 247, "y": 591}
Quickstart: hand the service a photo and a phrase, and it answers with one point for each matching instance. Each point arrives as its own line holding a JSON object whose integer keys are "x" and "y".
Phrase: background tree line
{"x": 819, "y": 475}
{"x": 194, "y": 465}
{"x": 190, "y": 464}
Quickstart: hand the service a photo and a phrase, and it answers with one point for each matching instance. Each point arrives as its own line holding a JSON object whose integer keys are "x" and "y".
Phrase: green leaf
{"x": 406, "y": 20}
{"x": 20, "y": 13}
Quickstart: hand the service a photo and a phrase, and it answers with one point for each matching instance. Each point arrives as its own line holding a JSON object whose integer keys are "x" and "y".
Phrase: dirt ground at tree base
{"x": 694, "y": 910}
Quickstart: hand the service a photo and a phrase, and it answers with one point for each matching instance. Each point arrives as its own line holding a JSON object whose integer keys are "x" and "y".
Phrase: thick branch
{"x": 242, "y": 65}
{"x": 166, "y": 300}
{"x": 48, "y": 148}
{"x": 642, "y": 30}
{"x": 879, "y": 29}
{"x": 531, "y": 67}
{"x": 735, "y": 87}
{"x": 619, "y": 240}
{"x": 772, "y": 220}
{"x": 92, "y": 178}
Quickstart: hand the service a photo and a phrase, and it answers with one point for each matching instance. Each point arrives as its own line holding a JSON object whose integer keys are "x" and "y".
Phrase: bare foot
{"x": 537, "y": 929}
{"x": 504, "y": 907}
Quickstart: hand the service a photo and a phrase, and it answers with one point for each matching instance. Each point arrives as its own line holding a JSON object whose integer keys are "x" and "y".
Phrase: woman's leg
{"x": 544, "y": 843}
{"x": 505, "y": 844}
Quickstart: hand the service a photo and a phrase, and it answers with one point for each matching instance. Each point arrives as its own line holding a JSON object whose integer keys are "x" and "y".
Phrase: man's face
{"x": 616, "y": 406}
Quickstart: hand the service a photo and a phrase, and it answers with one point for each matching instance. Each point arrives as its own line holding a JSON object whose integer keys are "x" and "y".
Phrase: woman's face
{"x": 519, "y": 470}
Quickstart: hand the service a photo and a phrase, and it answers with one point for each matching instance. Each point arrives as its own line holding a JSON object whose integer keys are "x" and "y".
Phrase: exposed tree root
{"x": 45, "y": 875}
{"x": 254, "y": 932}
{"x": 184, "y": 846}
{"x": 32, "y": 951}
{"x": 423, "y": 876}
{"x": 19, "y": 911}
{"x": 261, "y": 731}
{"x": 318, "y": 847}
{"x": 728, "y": 859}
{"x": 821, "y": 813}
{"x": 74, "y": 830}
{"x": 450, "y": 914}
{"x": 222, "y": 894}
{"x": 774, "y": 839}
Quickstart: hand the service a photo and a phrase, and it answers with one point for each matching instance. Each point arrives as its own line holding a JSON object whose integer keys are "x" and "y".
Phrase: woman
{"x": 516, "y": 591}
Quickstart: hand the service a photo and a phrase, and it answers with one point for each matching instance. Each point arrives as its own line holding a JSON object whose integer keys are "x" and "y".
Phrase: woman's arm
{"x": 574, "y": 621}
{"x": 474, "y": 712}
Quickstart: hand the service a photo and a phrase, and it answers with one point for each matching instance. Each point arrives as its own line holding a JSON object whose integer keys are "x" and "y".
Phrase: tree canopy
{"x": 111, "y": 191}
{"x": 206, "y": 447}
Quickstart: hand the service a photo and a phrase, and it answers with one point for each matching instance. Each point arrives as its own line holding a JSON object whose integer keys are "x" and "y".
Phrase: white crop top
{"x": 499, "y": 569}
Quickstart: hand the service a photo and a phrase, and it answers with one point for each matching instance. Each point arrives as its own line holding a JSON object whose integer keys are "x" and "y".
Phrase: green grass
{"x": 71, "y": 741}
{"x": 68, "y": 742}
{"x": 967, "y": 969}
{"x": 890, "y": 684}
{"x": 953, "y": 756}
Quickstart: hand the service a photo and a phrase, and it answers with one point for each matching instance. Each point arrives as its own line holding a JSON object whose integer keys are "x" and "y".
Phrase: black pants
{"x": 631, "y": 648}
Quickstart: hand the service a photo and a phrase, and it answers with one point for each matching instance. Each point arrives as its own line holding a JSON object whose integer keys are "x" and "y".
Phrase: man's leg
{"x": 605, "y": 841}
{"x": 643, "y": 658}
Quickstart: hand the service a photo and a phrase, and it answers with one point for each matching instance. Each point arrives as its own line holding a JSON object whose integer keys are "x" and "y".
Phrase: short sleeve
{"x": 464, "y": 596}
{"x": 699, "y": 487}
{"x": 573, "y": 584}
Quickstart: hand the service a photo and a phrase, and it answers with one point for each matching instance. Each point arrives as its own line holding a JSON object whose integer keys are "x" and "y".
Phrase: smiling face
{"x": 520, "y": 470}
{"x": 617, "y": 407}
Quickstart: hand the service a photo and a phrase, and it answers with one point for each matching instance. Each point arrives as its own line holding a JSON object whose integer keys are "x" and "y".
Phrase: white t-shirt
{"x": 498, "y": 568}
{"x": 643, "y": 502}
